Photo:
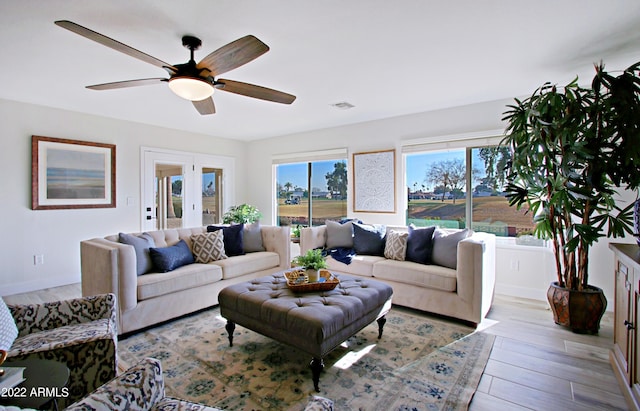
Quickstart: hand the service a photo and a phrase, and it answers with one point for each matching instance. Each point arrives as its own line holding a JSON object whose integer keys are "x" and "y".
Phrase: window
{"x": 449, "y": 188}
{"x": 308, "y": 193}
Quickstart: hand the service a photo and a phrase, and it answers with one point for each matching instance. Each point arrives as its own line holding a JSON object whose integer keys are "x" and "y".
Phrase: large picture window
{"x": 308, "y": 193}
{"x": 463, "y": 187}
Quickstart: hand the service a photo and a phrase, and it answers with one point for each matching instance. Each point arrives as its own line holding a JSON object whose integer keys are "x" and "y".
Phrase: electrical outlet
{"x": 514, "y": 265}
{"x": 38, "y": 259}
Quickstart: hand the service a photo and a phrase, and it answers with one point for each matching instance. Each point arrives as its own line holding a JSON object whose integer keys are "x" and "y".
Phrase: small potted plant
{"x": 312, "y": 261}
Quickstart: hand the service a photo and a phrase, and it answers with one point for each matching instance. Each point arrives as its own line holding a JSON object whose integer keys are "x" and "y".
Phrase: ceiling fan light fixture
{"x": 191, "y": 88}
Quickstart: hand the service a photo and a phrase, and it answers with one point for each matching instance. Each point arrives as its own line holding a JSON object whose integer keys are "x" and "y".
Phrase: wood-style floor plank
{"x": 536, "y": 364}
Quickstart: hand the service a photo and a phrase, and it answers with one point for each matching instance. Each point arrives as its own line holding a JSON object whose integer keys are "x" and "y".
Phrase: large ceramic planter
{"x": 581, "y": 311}
{"x": 636, "y": 220}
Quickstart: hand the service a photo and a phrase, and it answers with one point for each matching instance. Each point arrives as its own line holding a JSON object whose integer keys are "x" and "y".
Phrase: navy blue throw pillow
{"x": 167, "y": 259}
{"x": 420, "y": 244}
{"x": 369, "y": 239}
{"x": 232, "y": 235}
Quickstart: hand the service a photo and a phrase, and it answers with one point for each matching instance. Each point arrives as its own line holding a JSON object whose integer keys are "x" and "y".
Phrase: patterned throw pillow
{"x": 395, "y": 247}
{"x": 8, "y": 329}
{"x": 208, "y": 247}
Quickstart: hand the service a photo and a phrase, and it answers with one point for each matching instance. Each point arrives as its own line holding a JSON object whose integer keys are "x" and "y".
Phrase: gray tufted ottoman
{"x": 314, "y": 322}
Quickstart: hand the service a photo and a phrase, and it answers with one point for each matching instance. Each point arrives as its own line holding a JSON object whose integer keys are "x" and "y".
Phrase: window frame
{"x": 466, "y": 141}
{"x": 309, "y": 157}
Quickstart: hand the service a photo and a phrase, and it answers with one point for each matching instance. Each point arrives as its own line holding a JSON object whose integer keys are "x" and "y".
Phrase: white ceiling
{"x": 388, "y": 58}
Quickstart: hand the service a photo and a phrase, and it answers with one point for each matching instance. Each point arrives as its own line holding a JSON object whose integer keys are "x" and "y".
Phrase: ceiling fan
{"x": 193, "y": 81}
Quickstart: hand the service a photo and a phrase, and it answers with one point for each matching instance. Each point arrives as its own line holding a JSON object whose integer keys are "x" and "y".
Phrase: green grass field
{"x": 487, "y": 211}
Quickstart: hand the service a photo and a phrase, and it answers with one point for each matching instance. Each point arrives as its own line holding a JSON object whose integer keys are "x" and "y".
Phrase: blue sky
{"x": 417, "y": 166}
{"x": 296, "y": 174}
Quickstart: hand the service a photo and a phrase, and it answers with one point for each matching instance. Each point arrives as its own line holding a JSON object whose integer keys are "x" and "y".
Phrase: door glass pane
{"x": 328, "y": 191}
{"x": 211, "y": 195}
{"x": 437, "y": 189}
{"x": 169, "y": 195}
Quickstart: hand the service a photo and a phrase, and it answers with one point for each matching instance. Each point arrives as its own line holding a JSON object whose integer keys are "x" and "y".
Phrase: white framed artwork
{"x": 374, "y": 182}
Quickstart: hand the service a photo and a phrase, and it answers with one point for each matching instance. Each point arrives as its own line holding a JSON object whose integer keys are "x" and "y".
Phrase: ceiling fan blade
{"x": 233, "y": 55}
{"x": 251, "y": 90}
{"x": 127, "y": 83}
{"x": 205, "y": 106}
{"x": 114, "y": 44}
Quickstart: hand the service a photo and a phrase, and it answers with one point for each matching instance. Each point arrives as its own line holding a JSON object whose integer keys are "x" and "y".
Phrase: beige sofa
{"x": 465, "y": 293}
{"x": 109, "y": 266}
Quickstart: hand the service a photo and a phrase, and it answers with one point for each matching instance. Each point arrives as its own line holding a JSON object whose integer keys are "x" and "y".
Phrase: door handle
{"x": 629, "y": 325}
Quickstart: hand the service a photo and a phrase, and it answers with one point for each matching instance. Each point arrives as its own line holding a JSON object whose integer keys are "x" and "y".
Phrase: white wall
{"x": 524, "y": 272}
{"x": 56, "y": 234}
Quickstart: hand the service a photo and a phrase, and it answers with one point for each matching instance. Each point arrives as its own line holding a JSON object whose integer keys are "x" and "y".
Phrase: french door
{"x": 183, "y": 189}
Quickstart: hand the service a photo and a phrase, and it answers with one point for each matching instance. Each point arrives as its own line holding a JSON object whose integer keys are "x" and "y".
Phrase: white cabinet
{"x": 625, "y": 356}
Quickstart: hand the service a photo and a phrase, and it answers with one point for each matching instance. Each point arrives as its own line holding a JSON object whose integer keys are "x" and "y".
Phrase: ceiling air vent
{"x": 343, "y": 105}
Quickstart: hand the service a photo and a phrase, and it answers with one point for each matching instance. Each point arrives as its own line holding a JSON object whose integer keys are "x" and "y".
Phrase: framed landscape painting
{"x": 374, "y": 182}
{"x": 72, "y": 174}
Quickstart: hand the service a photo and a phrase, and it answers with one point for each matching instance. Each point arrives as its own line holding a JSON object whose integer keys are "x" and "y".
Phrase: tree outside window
{"x": 441, "y": 192}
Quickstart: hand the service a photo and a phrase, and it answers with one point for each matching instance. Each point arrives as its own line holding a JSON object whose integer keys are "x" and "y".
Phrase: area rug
{"x": 421, "y": 363}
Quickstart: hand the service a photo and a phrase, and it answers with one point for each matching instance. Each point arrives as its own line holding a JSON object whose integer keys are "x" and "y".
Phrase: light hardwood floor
{"x": 534, "y": 364}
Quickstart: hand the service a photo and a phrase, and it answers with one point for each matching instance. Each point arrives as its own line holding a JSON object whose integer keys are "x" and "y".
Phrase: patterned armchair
{"x": 79, "y": 332}
{"x": 141, "y": 388}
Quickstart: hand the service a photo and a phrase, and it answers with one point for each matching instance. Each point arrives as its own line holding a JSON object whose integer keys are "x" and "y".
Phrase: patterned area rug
{"x": 421, "y": 363}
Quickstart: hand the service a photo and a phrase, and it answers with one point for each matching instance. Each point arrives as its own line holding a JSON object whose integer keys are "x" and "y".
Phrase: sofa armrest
{"x": 31, "y": 318}
{"x": 109, "y": 267}
{"x": 312, "y": 237}
{"x": 140, "y": 388}
{"x": 277, "y": 239}
{"x": 476, "y": 271}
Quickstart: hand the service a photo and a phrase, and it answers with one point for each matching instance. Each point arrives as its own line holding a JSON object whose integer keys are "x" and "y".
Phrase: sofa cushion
{"x": 167, "y": 259}
{"x": 360, "y": 265}
{"x": 428, "y": 276}
{"x": 233, "y": 238}
{"x": 420, "y": 244}
{"x": 182, "y": 278}
{"x": 141, "y": 244}
{"x": 339, "y": 235}
{"x": 369, "y": 239}
{"x": 445, "y": 246}
{"x": 252, "y": 238}
{"x": 208, "y": 247}
{"x": 8, "y": 328}
{"x": 395, "y": 248}
{"x": 60, "y": 337}
{"x": 248, "y": 263}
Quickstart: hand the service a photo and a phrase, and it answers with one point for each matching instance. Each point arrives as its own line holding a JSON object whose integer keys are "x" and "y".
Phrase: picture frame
{"x": 68, "y": 174}
{"x": 374, "y": 181}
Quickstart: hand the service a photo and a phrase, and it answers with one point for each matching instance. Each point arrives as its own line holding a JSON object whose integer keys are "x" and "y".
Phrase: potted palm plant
{"x": 572, "y": 148}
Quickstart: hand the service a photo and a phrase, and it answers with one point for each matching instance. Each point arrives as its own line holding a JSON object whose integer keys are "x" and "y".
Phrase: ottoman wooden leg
{"x": 317, "y": 365}
{"x": 230, "y": 327}
{"x": 381, "y": 322}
